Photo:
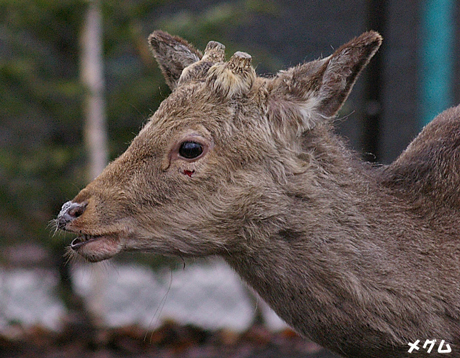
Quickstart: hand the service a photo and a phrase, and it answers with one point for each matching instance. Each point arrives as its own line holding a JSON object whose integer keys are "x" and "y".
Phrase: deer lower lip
{"x": 82, "y": 240}
{"x": 96, "y": 248}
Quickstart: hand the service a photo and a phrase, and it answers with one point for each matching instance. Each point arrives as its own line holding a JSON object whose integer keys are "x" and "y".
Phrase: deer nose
{"x": 69, "y": 212}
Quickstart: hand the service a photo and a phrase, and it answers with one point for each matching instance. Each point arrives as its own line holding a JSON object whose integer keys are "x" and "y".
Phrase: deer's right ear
{"x": 306, "y": 94}
{"x": 173, "y": 54}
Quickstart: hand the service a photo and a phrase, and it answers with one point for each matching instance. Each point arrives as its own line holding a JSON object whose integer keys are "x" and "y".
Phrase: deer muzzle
{"x": 69, "y": 212}
{"x": 91, "y": 245}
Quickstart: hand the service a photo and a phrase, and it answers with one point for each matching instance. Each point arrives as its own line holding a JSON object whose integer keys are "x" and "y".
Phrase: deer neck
{"x": 317, "y": 270}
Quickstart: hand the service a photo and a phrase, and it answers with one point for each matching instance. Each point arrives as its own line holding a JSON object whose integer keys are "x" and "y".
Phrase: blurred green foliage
{"x": 42, "y": 158}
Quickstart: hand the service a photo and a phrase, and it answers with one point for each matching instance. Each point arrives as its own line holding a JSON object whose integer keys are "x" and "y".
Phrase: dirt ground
{"x": 169, "y": 341}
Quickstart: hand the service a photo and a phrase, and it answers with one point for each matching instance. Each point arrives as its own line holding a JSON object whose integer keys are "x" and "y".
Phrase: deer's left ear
{"x": 317, "y": 89}
{"x": 173, "y": 54}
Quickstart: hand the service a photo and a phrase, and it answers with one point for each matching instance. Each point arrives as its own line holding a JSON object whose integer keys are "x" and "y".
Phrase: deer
{"x": 360, "y": 258}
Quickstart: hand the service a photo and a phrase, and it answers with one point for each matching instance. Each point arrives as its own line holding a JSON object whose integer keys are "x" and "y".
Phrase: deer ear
{"x": 173, "y": 54}
{"x": 343, "y": 69}
{"x": 317, "y": 89}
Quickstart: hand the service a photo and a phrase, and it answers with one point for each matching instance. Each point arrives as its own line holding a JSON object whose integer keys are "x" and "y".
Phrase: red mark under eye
{"x": 189, "y": 172}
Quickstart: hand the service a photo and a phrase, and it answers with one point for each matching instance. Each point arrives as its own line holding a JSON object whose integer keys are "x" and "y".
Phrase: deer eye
{"x": 190, "y": 150}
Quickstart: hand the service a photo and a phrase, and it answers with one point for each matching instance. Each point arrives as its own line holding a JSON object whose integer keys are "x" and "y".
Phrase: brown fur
{"x": 361, "y": 259}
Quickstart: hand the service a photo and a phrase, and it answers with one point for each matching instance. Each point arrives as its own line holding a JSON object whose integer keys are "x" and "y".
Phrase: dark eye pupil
{"x": 190, "y": 150}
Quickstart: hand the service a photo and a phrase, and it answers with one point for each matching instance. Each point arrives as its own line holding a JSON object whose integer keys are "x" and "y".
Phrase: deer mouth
{"x": 96, "y": 248}
{"x": 81, "y": 241}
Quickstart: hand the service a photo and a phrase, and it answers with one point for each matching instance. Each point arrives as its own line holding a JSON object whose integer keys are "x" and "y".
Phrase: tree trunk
{"x": 92, "y": 77}
{"x": 95, "y": 131}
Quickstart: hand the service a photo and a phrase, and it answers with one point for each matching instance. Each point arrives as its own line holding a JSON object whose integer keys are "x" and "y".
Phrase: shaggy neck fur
{"x": 339, "y": 266}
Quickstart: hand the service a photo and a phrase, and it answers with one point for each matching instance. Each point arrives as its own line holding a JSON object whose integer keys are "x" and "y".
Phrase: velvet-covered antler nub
{"x": 234, "y": 77}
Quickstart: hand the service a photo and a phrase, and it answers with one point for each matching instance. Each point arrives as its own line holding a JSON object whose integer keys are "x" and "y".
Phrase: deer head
{"x": 213, "y": 163}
